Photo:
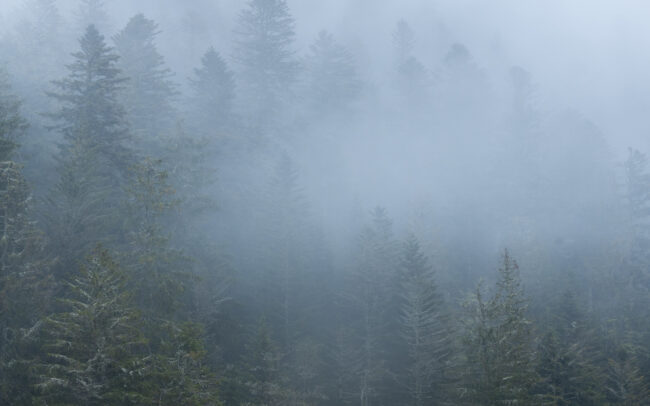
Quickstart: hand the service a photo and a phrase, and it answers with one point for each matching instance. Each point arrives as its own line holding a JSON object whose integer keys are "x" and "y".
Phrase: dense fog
{"x": 283, "y": 202}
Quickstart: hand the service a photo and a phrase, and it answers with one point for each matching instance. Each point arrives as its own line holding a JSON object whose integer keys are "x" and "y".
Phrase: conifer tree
{"x": 625, "y": 383}
{"x": 156, "y": 267}
{"x": 424, "y": 327}
{"x": 567, "y": 362}
{"x": 24, "y": 283}
{"x": 332, "y": 80}
{"x": 93, "y": 155}
{"x": 149, "y": 92}
{"x": 369, "y": 300}
{"x": 93, "y": 347}
{"x": 213, "y": 95}
{"x": 265, "y": 59}
{"x": 93, "y": 12}
{"x": 412, "y": 76}
{"x": 498, "y": 343}
{"x": 261, "y": 363}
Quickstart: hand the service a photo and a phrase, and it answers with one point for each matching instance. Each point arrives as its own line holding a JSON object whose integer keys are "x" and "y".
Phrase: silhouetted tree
{"x": 149, "y": 92}
{"x": 265, "y": 58}
{"x": 93, "y": 156}
{"x": 213, "y": 87}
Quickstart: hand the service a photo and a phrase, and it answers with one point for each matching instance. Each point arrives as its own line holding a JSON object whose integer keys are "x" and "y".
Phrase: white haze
{"x": 590, "y": 55}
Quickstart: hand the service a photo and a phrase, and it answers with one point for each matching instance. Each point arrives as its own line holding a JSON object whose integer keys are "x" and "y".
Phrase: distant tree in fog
{"x": 412, "y": 75}
{"x": 425, "y": 329}
{"x": 93, "y": 12}
{"x": 403, "y": 40}
{"x": 265, "y": 59}
{"x": 333, "y": 83}
{"x": 148, "y": 94}
{"x": 213, "y": 94}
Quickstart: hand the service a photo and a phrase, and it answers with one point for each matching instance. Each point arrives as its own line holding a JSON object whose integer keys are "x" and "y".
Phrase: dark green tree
{"x": 93, "y": 348}
{"x": 567, "y": 358}
{"x": 24, "y": 284}
{"x": 498, "y": 343}
{"x": 93, "y": 156}
{"x": 157, "y": 269}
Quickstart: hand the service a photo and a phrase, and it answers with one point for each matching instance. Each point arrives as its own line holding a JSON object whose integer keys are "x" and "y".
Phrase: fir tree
{"x": 370, "y": 300}
{"x": 498, "y": 343}
{"x": 157, "y": 269}
{"x": 149, "y": 92}
{"x": 93, "y": 12}
{"x": 332, "y": 80}
{"x": 424, "y": 327}
{"x": 92, "y": 348}
{"x": 213, "y": 95}
{"x": 24, "y": 283}
{"x": 411, "y": 76}
{"x": 93, "y": 155}
{"x": 264, "y": 55}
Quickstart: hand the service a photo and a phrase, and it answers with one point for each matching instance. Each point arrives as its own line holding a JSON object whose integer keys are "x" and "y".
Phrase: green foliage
{"x": 369, "y": 302}
{"x": 25, "y": 286}
{"x": 156, "y": 268}
{"x": 12, "y": 124}
{"x": 263, "y": 52}
{"x": 93, "y": 347}
{"x": 177, "y": 373}
{"x": 83, "y": 204}
{"x": 425, "y": 328}
{"x": 498, "y": 343}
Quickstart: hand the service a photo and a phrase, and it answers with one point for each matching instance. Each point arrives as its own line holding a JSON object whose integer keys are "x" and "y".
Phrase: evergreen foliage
{"x": 213, "y": 97}
{"x": 499, "y": 343}
{"x": 93, "y": 348}
{"x": 92, "y": 157}
{"x": 148, "y": 94}
{"x": 265, "y": 58}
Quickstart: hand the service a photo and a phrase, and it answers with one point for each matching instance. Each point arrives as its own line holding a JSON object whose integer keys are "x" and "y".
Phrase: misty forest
{"x": 292, "y": 203}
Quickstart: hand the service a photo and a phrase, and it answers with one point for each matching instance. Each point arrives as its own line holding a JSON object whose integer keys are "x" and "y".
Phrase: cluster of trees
{"x": 137, "y": 276}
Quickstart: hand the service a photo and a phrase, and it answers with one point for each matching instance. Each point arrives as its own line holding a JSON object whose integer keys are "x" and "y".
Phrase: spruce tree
{"x": 93, "y": 347}
{"x": 24, "y": 283}
{"x": 332, "y": 82}
{"x": 93, "y": 12}
{"x": 149, "y": 92}
{"x": 213, "y": 87}
{"x": 157, "y": 269}
{"x": 425, "y": 329}
{"x": 412, "y": 78}
{"x": 265, "y": 59}
{"x": 93, "y": 155}
{"x": 370, "y": 303}
{"x": 498, "y": 343}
